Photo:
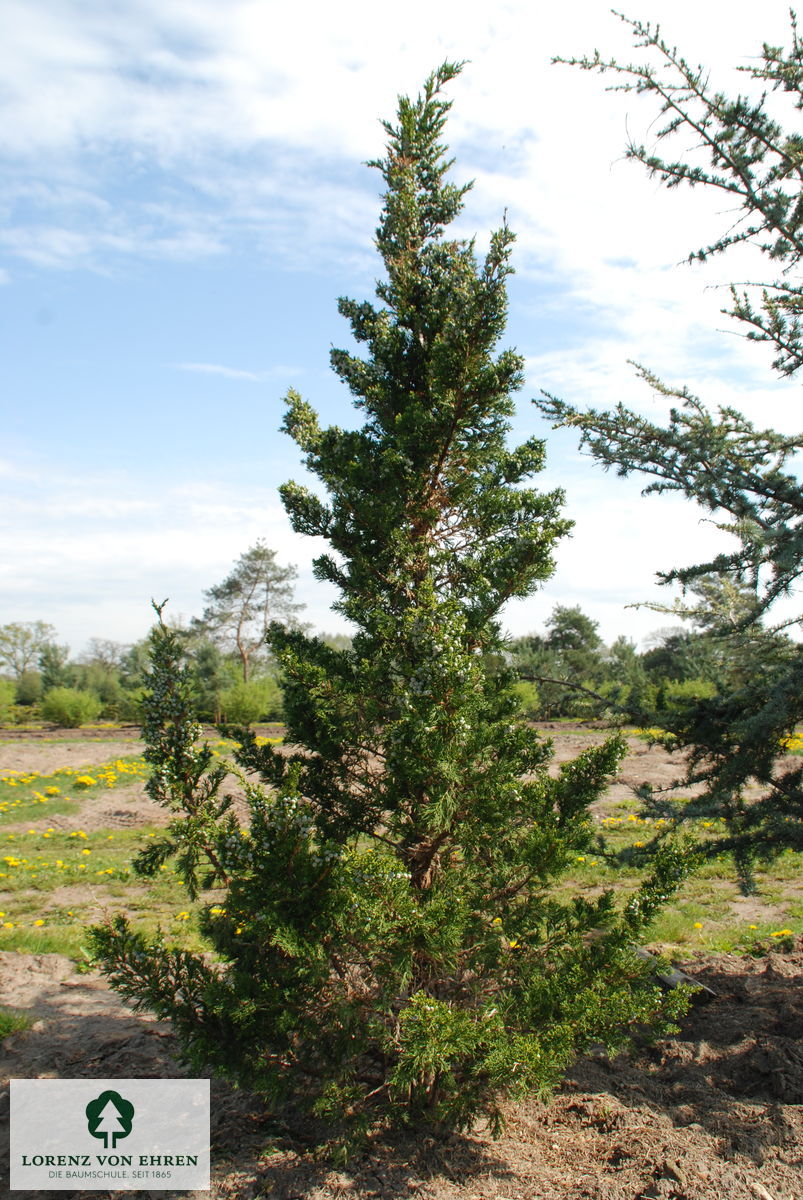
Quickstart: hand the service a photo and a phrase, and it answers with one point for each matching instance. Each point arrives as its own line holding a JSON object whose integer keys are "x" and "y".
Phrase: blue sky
{"x": 184, "y": 200}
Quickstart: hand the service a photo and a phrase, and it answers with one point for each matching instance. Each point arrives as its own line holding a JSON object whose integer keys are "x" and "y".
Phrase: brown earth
{"x": 715, "y": 1111}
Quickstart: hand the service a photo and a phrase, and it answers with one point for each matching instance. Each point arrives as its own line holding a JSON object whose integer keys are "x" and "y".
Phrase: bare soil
{"x": 45, "y": 755}
{"x": 714, "y": 1111}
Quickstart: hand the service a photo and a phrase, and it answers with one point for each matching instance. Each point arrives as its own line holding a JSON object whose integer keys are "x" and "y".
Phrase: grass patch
{"x": 28, "y": 794}
{"x": 705, "y": 914}
{"x": 12, "y": 1021}
{"x": 55, "y": 884}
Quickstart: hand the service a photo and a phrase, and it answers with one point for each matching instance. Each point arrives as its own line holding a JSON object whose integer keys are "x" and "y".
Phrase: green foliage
{"x": 70, "y": 707}
{"x": 257, "y": 700}
{"x": 53, "y": 668}
{"x": 390, "y": 942}
{"x": 211, "y": 676}
{"x": 745, "y": 476}
{"x": 7, "y": 698}
{"x": 680, "y": 694}
{"x": 528, "y": 698}
{"x": 29, "y": 688}
{"x": 567, "y": 664}
{"x": 753, "y": 160}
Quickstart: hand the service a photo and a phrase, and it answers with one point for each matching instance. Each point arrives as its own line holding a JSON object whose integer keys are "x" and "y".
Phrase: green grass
{"x": 704, "y": 915}
{"x": 26, "y": 795}
{"x": 54, "y": 884}
{"x": 12, "y": 1022}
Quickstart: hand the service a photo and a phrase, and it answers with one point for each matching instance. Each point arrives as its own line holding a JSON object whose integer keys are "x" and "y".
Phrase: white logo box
{"x": 109, "y": 1134}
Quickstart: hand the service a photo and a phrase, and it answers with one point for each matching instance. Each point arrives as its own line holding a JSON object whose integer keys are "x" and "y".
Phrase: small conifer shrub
{"x": 390, "y": 944}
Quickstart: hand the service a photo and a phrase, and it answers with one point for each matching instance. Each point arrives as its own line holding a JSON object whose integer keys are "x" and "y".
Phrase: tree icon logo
{"x": 110, "y": 1116}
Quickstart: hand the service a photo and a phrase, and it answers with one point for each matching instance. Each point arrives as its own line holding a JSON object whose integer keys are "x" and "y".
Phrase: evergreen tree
{"x": 625, "y": 678}
{"x": 392, "y": 943}
{"x": 743, "y": 475}
{"x": 754, "y": 162}
{"x": 241, "y": 608}
{"x": 566, "y": 664}
{"x": 211, "y": 675}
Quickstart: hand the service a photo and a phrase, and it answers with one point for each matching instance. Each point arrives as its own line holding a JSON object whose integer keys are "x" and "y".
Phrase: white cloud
{"x": 217, "y": 369}
{"x": 266, "y": 116}
{"x": 87, "y": 553}
{"x": 182, "y": 131}
{"x": 276, "y": 371}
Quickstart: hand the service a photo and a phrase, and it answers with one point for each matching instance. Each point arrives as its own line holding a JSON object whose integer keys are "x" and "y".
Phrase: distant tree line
{"x": 568, "y": 671}
{"x": 565, "y": 671}
{"x": 234, "y": 676}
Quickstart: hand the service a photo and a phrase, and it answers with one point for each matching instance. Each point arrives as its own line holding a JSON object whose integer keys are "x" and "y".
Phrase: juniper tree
{"x": 744, "y": 476}
{"x": 391, "y": 941}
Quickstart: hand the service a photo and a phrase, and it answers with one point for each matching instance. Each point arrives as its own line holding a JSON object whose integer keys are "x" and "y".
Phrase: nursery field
{"x": 716, "y": 1108}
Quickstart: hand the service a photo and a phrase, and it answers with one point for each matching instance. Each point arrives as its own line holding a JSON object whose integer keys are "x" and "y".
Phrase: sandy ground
{"x": 39, "y": 754}
{"x": 715, "y": 1111}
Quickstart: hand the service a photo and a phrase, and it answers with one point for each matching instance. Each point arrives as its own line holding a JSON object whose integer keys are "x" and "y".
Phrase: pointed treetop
{"x": 414, "y": 169}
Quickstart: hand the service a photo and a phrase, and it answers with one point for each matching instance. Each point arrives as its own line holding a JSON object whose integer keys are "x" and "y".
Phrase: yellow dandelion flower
{"x": 39, "y": 922}
{"x": 698, "y": 924}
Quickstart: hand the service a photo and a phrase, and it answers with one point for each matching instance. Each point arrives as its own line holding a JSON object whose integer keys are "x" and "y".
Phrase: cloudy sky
{"x": 184, "y": 200}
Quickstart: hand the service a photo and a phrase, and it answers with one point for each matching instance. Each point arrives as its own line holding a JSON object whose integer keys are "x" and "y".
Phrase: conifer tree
{"x": 392, "y": 945}
{"x": 746, "y": 477}
{"x": 241, "y": 609}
